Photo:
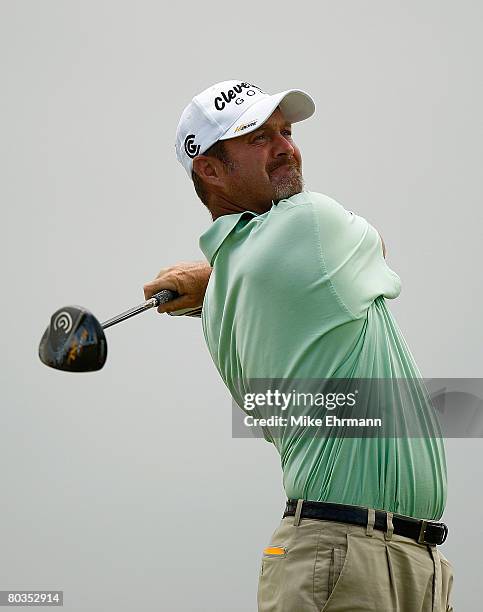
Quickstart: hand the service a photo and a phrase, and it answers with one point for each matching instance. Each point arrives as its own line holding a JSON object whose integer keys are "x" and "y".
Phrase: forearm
{"x": 188, "y": 279}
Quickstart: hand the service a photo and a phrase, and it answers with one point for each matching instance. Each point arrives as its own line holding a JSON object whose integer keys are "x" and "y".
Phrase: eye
{"x": 259, "y": 136}
{"x": 287, "y": 133}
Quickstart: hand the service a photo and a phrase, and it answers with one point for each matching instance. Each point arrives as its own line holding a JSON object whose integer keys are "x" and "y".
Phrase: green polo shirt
{"x": 300, "y": 292}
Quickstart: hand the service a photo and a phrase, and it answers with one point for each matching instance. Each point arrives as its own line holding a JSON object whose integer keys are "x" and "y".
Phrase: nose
{"x": 282, "y": 146}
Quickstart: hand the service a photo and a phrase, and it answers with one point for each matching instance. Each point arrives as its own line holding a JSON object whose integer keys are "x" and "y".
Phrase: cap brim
{"x": 296, "y": 105}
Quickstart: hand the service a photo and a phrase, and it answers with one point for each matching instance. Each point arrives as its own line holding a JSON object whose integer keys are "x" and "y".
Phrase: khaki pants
{"x": 324, "y": 566}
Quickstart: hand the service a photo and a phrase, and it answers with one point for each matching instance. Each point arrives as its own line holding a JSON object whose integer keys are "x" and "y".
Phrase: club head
{"x": 74, "y": 341}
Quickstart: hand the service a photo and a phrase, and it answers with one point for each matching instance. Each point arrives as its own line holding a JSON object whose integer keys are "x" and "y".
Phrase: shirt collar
{"x": 214, "y": 237}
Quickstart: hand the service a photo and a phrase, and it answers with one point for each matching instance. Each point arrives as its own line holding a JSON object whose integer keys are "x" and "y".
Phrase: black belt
{"x": 424, "y": 532}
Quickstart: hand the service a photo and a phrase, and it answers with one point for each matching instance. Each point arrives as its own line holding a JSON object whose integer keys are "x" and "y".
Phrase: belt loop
{"x": 371, "y": 519}
{"x": 298, "y": 512}
{"x": 390, "y": 527}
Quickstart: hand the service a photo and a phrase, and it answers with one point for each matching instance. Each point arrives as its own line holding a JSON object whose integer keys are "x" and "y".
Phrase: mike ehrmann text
{"x": 330, "y": 420}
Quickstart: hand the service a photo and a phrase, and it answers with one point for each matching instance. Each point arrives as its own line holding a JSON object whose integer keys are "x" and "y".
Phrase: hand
{"x": 189, "y": 279}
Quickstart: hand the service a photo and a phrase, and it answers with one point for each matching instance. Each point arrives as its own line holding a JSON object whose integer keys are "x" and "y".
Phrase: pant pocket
{"x": 328, "y": 568}
{"x": 271, "y": 581}
{"x": 337, "y": 562}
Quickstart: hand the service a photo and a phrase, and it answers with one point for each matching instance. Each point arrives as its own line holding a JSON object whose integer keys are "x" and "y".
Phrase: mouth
{"x": 284, "y": 168}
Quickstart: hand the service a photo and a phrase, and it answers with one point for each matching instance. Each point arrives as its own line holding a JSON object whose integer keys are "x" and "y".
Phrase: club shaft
{"x": 160, "y": 298}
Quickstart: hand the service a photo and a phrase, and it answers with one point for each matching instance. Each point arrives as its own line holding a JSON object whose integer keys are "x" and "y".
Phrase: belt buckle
{"x": 422, "y": 532}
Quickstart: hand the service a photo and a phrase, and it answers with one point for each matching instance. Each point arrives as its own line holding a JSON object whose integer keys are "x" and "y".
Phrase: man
{"x": 295, "y": 290}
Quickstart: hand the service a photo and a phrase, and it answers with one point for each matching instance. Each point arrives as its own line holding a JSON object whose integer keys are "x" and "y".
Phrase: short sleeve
{"x": 352, "y": 258}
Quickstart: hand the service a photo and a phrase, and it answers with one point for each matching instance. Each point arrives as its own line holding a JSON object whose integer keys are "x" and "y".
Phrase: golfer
{"x": 295, "y": 287}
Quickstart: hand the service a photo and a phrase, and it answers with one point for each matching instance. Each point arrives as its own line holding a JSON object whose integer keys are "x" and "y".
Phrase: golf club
{"x": 75, "y": 341}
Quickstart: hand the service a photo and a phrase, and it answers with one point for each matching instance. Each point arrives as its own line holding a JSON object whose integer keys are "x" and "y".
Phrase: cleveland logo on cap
{"x": 226, "y": 97}
{"x": 191, "y": 149}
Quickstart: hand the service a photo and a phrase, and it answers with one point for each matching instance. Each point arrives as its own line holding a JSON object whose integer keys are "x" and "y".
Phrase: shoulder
{"x": 319, "y": 202}
{"x": 318, "y": 208}
{"x": 310, "y": 198}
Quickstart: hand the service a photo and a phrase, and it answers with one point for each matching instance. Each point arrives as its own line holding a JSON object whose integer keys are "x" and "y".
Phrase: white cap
{"x": 230, "y": 109}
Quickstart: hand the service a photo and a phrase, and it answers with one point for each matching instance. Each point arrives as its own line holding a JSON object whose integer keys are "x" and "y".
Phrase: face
{"x": 266, "y": 165}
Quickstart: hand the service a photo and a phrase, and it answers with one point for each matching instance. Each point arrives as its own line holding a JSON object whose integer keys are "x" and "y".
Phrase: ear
{"x": 209, "y": 169}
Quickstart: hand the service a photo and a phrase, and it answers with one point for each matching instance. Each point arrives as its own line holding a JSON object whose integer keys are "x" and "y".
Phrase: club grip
{"x": 163, "y": 296}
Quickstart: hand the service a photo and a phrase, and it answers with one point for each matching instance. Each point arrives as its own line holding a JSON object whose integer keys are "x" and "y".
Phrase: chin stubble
{"x": 288, "y": 185}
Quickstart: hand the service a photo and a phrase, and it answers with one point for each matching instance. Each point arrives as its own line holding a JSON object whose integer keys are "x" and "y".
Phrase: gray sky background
{"x": 124, "y": 488}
